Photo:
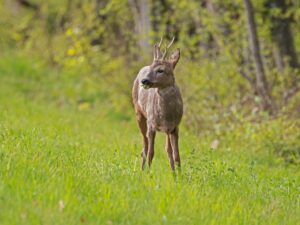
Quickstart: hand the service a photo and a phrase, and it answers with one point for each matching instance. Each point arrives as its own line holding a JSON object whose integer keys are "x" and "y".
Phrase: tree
{"x": 140, "y": 11}
{"x": 281, "y": 34}
{"x": 261, "y": 80}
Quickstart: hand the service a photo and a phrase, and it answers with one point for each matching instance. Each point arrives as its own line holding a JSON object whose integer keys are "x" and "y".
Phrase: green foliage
{"x": 100, "y": 39}
{"x": 67, "y": 155}
{"x": 69, "y": 144}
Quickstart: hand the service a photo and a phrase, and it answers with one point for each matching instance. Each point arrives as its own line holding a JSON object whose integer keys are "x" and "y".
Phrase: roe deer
{"x": 158, "y": 104}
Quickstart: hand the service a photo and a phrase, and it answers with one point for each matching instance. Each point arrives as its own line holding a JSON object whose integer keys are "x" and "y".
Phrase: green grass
{"x": 63, "y": 162}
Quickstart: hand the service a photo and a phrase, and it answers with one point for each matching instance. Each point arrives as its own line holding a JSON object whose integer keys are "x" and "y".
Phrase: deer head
{"x": 160, "y": 73}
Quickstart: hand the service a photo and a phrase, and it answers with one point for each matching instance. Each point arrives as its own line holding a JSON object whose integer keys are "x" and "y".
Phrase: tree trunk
{"x": 282, "y": 37}
{"x": 261, "y": 81}
{"x": 140, "y": 11}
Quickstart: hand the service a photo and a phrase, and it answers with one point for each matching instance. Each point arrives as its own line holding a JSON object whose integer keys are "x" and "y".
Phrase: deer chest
{"x": 165, "y": 114}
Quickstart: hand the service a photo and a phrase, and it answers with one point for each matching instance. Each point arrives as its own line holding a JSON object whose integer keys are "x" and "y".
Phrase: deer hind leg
{"x": 174, "y": 143}
{"x": 151, "y": 138}
{"x": 170, "y": 152}
{"x": 143, "y": 128}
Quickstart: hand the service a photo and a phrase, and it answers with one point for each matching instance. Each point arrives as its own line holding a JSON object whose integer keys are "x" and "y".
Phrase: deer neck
{"x": 166, "y": 95}
{"x": 165, "y": 92}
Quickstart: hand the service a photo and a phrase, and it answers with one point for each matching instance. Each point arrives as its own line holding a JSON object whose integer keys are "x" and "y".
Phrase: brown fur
{"x": 159, "y": 107}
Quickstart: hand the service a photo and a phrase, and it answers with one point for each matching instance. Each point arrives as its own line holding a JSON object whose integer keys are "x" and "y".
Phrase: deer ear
{"x": 175, "y": 57}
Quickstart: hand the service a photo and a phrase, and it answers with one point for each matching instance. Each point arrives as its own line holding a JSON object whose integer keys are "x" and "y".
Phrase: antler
{"x": 161, "y": 39}
{"x": 166, "y": 49}
{"x": 157, "y": 53}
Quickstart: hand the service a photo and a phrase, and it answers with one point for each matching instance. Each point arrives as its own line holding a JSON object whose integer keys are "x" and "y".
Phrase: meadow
{"x": 64, "y": 160}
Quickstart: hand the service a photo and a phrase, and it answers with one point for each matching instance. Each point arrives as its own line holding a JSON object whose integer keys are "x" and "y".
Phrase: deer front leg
{"x": 143, "y": 127}
{"x": 151, "y": 138}
{"x": 144, "y": 151}
{"x": 170, "y": 152}
{"x": 174, "y": 143}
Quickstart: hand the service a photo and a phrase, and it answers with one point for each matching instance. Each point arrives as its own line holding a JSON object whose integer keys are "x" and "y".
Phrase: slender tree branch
{"x": 28, "y": 4}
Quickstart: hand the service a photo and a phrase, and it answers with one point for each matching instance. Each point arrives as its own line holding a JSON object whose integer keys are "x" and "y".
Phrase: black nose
{"x": 146, "y": 82}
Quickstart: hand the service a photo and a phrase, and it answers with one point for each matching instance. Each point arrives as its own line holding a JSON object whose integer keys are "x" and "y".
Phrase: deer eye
{"x": 159, "y": 71}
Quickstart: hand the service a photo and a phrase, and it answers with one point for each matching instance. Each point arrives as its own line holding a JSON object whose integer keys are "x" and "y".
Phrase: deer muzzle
{"x": 146, "y": 83}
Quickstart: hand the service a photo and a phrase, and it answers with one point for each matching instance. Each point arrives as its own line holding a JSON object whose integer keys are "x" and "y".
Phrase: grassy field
{"x": 67, "y": 160}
